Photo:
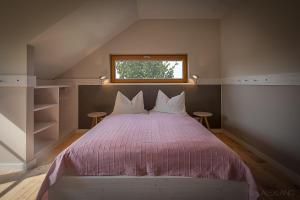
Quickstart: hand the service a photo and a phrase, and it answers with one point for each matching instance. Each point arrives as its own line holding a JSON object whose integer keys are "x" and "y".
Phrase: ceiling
{"x": 78, "y": 34}
{"x": 96, "y": 22}
{"x": 183, "y": 9}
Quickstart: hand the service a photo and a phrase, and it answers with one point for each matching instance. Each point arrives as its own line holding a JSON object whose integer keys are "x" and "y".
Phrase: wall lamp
{"x": 102, "y": 79}
{"x": 195, "y": 78}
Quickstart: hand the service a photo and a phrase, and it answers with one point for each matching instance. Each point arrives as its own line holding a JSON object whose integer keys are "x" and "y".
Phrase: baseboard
{"x": 31, "y": 164}
{"x": 216, "y": 130}
{"x": 12, "y": 166}
{"x": 81, "y": 130}
{"x": 289, "y": 173}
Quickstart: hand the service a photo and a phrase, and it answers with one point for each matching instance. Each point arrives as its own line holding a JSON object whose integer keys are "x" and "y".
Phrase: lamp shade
{"x": 102, "y": 77}
{"x": 194, "y": 76}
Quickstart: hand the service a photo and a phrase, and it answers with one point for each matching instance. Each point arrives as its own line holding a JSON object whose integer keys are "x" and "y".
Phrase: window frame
{"x": 180, "y": 57}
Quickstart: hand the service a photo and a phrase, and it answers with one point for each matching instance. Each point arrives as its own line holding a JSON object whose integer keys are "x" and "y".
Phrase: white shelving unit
{"x": 46, "y": 118}
{"x": 50, "y": 107}
{"x": 48, "y": 103}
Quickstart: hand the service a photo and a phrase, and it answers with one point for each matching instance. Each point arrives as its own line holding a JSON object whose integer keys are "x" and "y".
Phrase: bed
{"x": 147, "y": 145}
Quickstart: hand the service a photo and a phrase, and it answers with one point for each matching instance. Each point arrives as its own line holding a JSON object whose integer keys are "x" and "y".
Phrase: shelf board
{"x": 41, "y": 126}
{"x": 38, "y": 107}
{"x": 51, "y": 86}
{"x": 41, "y": 144}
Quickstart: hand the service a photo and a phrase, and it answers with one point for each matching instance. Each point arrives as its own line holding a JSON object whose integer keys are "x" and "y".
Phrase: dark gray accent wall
{"x": 266, "y": 117}
{"x": 102, "y": 98}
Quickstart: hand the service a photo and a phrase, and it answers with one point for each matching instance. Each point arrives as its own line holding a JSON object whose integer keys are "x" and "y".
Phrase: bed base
{"x": 146, "y": 188}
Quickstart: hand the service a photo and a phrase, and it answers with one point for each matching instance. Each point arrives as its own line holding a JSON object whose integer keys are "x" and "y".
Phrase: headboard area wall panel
{"x": 94, "y": 98}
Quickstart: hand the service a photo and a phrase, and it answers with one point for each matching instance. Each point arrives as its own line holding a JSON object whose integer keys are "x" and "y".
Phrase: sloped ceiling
{"x": 78, "y": 34}
{"x": 183, "y": 9}
{"x": 97, "y": 21}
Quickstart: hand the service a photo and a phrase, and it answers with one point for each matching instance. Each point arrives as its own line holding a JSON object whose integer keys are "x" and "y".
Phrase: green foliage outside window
{"x": 145, "y": 69}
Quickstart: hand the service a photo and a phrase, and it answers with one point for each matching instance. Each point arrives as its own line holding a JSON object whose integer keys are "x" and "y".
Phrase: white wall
{"x": 199, "y": 38}
{"x": 13, "y": 125}
{"x": 20, "y": 22}
{"x": 262, "y": 37}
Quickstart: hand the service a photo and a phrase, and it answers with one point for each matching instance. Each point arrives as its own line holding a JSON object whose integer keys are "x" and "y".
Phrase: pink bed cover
{"x": 154, "y": 144}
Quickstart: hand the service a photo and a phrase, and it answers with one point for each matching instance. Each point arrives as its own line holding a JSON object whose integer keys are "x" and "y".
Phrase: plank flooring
{"x": 272, "y": 184}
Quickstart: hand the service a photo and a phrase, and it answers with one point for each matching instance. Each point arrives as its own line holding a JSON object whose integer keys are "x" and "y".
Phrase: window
{"x": 148, "y": 68}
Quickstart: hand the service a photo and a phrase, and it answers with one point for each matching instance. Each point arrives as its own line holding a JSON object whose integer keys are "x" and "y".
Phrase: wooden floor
{"x": 272, "y": 183}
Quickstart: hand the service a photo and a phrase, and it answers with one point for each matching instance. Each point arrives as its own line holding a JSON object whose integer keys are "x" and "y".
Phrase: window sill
{"x": 148, "y": 84}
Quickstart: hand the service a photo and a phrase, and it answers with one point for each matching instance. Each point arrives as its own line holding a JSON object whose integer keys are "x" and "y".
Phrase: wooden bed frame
{"x": 146, "y": 188}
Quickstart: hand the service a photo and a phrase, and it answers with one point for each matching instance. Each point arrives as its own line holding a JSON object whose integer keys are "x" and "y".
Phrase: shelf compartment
{"x": 41, "y": 126}
{"x": 38, "y": 107}
{"x": 46, "y": 95}
{"x": 42, "y": 144}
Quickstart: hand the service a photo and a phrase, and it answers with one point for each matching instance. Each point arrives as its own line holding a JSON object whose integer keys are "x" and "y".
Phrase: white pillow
{"x": 124, "y": 106}
{"x": 165, "y": 104}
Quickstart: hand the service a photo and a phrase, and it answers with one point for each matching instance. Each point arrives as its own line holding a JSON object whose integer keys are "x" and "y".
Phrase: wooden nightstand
{"x": 203, "y": 115}
{"x": 96, "y": 117}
